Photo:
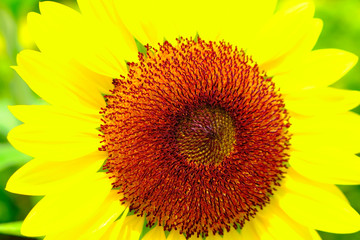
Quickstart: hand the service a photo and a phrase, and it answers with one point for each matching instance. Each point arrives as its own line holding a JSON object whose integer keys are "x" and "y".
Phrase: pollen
{"x": 197, "y": 137}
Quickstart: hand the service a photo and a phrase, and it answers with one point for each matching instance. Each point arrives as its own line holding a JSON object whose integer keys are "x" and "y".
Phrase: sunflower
{"x": 186, "y": 120}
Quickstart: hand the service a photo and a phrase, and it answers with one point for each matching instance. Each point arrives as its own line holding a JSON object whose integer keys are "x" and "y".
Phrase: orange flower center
{"x": 196, "y": 137}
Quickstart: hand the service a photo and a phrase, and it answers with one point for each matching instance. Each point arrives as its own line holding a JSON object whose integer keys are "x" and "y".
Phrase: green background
{"x": 341, "y": 30}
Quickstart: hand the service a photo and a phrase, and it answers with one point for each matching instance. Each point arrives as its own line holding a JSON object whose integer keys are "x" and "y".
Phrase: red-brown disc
{"x": 196, "y": 137}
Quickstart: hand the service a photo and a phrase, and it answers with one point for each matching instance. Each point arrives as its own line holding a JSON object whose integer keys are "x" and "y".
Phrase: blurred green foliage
{"x": 341, "y": 30}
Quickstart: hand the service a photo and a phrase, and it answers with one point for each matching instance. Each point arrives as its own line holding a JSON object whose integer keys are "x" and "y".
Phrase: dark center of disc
{"x": 206, "y": 135}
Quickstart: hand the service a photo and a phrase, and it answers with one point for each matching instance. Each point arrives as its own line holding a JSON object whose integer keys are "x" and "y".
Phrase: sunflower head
{"x": 187, "y": 119}
{"x": 192, "y": 135}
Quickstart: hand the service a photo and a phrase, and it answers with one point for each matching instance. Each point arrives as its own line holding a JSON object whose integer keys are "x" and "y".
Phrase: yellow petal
{"x": 316, "y": 205}
{"x": 137, "y": 17}
{"x": 55, "y": 116}
{"x": 113, "y": 231}
{"x": 214, "y": 237}
{"x": 322, "y": 101}
{"x": 157, "y": 233}
{"x": 59, "y": 83}
{"x": 132, "y": 228}
{"x": 97, "y": 46}
{"x": 105, "y": 42}
{"x": 281, "y": 33}
{"x": 344, "y": 123}
{"x": 232, "y": 235}
{"x": 157, "y": 20}
{"x": 175, "y": 235}
{"x": 315, "y": 235}
{"x": 222, "y": 22}
{"x": 273, "y": 223}
{"x": 345, "y": 141}
{"x": 194, "y": 237}
{"x": 106, "y": 13}
{"x": 52, "y": 143}
{"x": 248, "y": 231}
{"x": 68, "y": 206}
{"x": 39, "y": 177}
{"x": 239, "y": 23}
{"x": 334, "y": 167}
{"x": 46, "y": 39}
{"x": 299, "y": 51}
{"x": 320, "y": 69}
{"x": 261, "y": 230}
{"x": 328, "y": 131}
{"x": 94, "y": 227}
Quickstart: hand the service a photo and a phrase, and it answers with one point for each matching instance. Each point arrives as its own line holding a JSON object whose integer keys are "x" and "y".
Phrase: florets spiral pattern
{"x": 154, "y": 159}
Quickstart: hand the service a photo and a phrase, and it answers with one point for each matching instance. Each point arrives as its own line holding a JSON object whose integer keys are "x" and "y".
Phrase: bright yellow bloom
{"x": 224, "y": 120}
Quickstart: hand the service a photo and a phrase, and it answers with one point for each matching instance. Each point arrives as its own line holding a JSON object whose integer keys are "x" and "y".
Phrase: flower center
{"x": 196, "y": 137}
{"x": 206, "y": 135}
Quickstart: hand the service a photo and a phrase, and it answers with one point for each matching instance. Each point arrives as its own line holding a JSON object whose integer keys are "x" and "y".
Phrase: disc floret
{"x": 197, "y": 137}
